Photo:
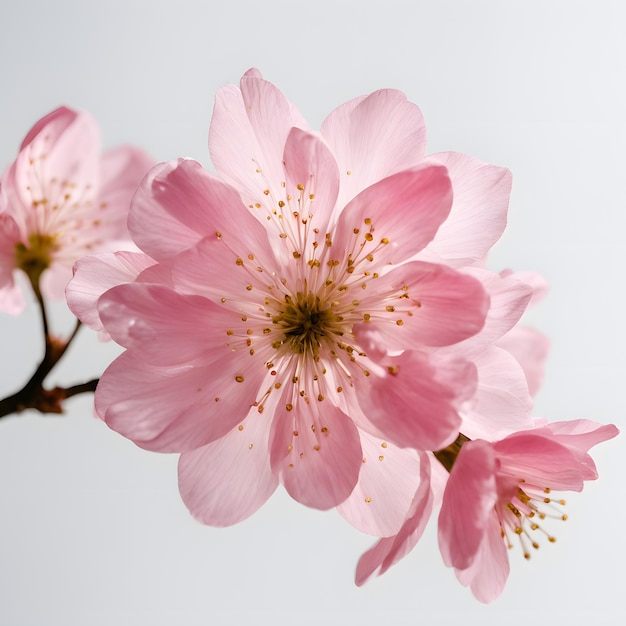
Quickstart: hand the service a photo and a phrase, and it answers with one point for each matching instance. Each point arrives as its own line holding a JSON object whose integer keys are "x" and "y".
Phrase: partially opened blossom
{"x": 286, "y": 318}
{"x": 62, "y": 199}
{"x": 501, "y": 406}
{"x": 499, "y": 495}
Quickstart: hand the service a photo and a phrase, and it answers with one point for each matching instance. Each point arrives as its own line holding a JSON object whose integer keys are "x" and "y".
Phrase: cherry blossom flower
{"x": 367, "y": 151}
{"x": 60, "y": 200}
{"x": 286, "y": 318}
{"x": 498, "y": 494}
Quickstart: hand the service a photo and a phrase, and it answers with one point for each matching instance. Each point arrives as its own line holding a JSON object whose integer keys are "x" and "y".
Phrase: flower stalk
{"x": 33, "y": 395}
{"x": 447, "y": 456}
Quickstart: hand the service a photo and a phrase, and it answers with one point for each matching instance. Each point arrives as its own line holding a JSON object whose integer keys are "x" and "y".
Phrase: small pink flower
{"x": 62, "y": 199}
{"x": 286, "y": 320}
{"x": 499, "y": 495}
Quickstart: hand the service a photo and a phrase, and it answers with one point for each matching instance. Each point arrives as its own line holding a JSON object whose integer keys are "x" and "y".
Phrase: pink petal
{"x": 316, "y": 454}
{"x": 149, "y": 218}
{"x": 582, "y": 434}
{"x": 370, "y": 562}
{"x": 403, "y": 213}
{"x": 271, "y": 115}
{"x": 248, "y": 132}
{"x": 59, "y": 156}
{"x": 158, "y": 273}
{"x": 55, "y": 123}
{"x": 487, "y": 575}
{"x": 174, "y": 409}
{"x": 509, "y": 298}
{"x": 55, "y": 279}
{"x": 389, "y": 550}
{"x": 388, "y": 481}
{"x": 225, "y": 273}
{"x": 540, "y": 461}
{"x": 122, "y": 170}
{"x": 479, "y": 210}
{"x": 96, "y": 274}
{"x": 224, "y": 482}
{"x": 530, "y": 349}
{"x": 443, "y": 306}
{"x": 579, "y": 436}
{"x": 254, "y": 72}
{"x": 468, "y": 502}
{"x": 310, "y": 164}
{"x": 537, "y": 282}
{"x": 502, "y": 403}
{"x": 374, "y": 137}
{"x": 11, "y": 296}
{"x": 167, "y": 328}
{"x": 402, "y": 400}
{"x": 188, "y": 203}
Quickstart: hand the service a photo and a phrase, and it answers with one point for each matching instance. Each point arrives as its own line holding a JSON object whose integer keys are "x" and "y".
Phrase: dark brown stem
{"x": 43, "y": 400}
{"x": 33, "y": 395}
{"x": 447, "y": 456}
{"x": 87, "y": 387}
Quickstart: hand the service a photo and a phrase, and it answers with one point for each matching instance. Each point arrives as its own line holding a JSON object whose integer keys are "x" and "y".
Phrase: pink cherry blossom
{"x": 287, "y": 318}
{"x": 62, "y": 199}
{"x": 283, "y": 330}
{"x": 500, "y": 495}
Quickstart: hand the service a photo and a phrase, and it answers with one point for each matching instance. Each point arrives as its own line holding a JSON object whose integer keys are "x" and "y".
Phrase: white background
{"x": 92, "y": 530}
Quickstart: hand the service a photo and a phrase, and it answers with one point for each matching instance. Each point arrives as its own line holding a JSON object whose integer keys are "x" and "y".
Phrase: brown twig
{"x": 33, "y": 395}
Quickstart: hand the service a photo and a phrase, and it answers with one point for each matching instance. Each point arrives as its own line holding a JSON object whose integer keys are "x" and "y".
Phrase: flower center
{"x": 35, "y": 257}
{"x": 307, "y": 322}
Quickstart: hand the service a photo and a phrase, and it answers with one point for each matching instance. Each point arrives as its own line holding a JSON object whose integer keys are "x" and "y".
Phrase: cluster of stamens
{"x": 61, "y": 212}
{"x": 522, "y": 515}
{"x": 301, "y": 323}
{"x": 306, "y": 322}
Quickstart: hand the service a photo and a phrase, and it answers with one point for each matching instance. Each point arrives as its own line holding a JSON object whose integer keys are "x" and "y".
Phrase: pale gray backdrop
{"x": 92, "y": 531}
